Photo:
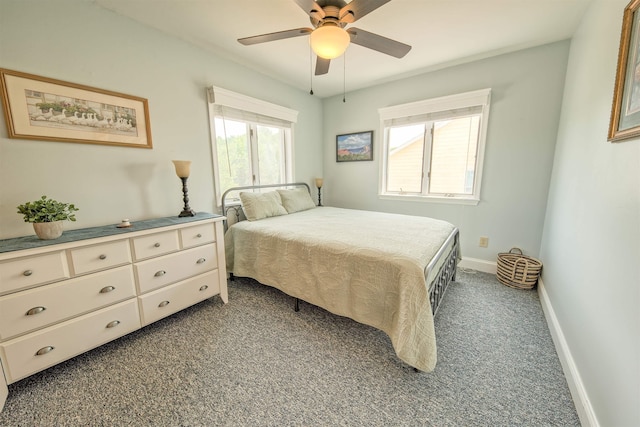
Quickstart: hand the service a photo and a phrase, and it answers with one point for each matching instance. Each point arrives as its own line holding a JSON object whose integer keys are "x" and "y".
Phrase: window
{"x": 433, "y": 149}
{"x": 251, "y": 141}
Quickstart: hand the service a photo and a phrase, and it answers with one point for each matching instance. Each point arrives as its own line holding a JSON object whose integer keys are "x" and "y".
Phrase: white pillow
{"x": 261, "y": 205}
{"x": 296, "y": 200}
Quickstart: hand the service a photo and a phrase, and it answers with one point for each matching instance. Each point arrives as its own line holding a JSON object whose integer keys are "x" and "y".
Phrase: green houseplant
{"x": 47, "y": 215}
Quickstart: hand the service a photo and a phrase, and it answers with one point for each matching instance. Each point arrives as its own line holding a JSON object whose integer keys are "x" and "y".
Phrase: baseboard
{"x": 576, "y": 387}
{"x": 478, "y": 264}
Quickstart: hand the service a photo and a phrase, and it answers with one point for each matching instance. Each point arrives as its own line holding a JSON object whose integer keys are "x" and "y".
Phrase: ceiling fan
{"x": 328, "y": 38}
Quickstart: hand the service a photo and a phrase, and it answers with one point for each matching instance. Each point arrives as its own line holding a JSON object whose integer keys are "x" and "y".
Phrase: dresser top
{"x": 30, "y": 242}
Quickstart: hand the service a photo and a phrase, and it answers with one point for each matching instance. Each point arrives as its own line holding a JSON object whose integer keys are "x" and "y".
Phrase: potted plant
{"x": 47, "y": 215}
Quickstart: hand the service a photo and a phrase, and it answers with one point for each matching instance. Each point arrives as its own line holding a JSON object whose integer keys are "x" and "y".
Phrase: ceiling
{"x": 441, "y": 33}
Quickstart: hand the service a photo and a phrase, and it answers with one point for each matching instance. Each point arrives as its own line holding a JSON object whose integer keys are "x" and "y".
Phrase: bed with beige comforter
{"x": 368, "y": 266}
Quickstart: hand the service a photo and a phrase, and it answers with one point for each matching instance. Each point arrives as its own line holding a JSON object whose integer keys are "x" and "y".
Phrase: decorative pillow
{"x": 261, "y": 205}
{"x": 296, "y": 200}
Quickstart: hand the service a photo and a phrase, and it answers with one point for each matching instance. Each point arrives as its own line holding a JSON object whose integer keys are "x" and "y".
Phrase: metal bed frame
{"x": 437, "y": 288}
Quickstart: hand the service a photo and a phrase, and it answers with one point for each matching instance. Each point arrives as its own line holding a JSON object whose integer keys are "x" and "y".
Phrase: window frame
{"x": 219, "y": 97}
{"x": 414, "y": 112}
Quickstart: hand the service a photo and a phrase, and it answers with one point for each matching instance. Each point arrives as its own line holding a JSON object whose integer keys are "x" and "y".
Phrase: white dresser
{"x": 60, "y": 298}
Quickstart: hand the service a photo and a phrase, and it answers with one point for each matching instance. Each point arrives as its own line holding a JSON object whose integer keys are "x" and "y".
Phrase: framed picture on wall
{"x": 53, "y": 110}
{"x": 354, "y": 147}
{"x": 625, "y": 114}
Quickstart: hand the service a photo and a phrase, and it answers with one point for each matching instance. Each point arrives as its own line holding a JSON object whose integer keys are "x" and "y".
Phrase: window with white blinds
{"x": 433, "y": 149}
{"x": 252, "y": 141}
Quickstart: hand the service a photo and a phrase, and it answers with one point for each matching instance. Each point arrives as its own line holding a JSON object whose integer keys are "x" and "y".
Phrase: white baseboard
{"x": 578, "y": 392}
{"x": 478, "y": 264}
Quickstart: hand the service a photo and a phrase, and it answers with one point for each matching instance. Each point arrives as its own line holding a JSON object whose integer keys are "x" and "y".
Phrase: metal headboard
{"x": 237, "y": 208}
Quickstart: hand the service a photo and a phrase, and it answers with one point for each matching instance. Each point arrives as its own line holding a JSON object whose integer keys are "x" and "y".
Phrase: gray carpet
{"x": 257, "y": 362}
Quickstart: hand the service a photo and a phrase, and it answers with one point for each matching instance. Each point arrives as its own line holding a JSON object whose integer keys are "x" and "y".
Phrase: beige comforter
{"x": 368, "y": 266}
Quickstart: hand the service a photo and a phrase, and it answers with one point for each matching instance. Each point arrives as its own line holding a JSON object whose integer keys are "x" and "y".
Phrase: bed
{"x": 389, "y": 271}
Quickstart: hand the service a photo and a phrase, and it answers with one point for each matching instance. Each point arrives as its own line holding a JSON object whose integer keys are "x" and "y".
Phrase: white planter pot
{"x": 48, "y": 230}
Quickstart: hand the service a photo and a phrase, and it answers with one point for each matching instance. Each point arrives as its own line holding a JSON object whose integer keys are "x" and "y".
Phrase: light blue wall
{"x": 591, "y": 240}
{"x": 79, "y": 42}
{"x": 525, "y": 104}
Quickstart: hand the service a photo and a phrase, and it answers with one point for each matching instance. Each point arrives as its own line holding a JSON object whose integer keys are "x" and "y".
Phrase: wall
{"x": 591, "y": 239}
{"x": 79, "y": 42}
{"x": 525, "y": 105}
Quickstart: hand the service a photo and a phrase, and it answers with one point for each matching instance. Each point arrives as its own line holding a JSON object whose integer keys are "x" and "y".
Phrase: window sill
{"x": 430, "y": 199}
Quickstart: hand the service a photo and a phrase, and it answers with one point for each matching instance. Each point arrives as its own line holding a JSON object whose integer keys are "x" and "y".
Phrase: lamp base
{"x": 187, "y": 212}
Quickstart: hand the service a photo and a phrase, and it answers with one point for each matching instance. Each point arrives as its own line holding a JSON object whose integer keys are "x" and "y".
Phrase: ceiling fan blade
{"x": 275, "y": 36}
{"x": 377, "y": 42}
{"x": 311, "y": 8}
{"x": 359, "y": 8}
{"x": 322, "y": 66}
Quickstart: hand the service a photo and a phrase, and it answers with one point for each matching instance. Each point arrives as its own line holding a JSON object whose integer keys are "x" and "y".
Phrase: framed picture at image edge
{"x": 354, "y": 147}
{"x": 625, "y": 114}
{"x": 46, "y": 109}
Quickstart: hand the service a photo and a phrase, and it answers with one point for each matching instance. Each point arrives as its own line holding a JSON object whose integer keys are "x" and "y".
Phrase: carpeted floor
{"x": 256, "y": 362}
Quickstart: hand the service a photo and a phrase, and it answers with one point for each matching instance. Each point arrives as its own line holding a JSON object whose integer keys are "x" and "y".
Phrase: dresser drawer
{"x": 161, "y": 271}
{"x": 99, "y": 257}
{"x": 163, "y": 302}
{"x": 197, "y": 235}
{"x": 155, "y": 245}
{"x": 25, "y": 311}
{"x": 34, "y": 352}
{"x": 28, "y": 272}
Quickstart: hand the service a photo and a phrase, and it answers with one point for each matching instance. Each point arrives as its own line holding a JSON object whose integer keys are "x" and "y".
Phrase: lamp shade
{"x": 329, "y": 41}
{"x": 319, "y": 182}
{"x": 183, "y": 168}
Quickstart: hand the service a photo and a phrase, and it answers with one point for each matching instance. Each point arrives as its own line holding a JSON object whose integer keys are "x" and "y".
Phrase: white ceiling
{"x": 441, "y": 33}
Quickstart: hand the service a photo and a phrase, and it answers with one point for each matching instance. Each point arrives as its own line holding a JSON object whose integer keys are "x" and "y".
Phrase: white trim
{"x": 479, "y": 265}
{"x": 443, "y": 103}
{"x": 429, "y": 199}
{"x": 576, "y": 387}
{"x": 220, "y": 96}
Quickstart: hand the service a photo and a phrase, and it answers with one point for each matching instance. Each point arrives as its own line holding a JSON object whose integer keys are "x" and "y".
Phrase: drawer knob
{"x": 163, "y": 304}
{"x": 35, "y": 310}
{"x": 160, "y": 273}
{"x": 107, "y": 289}
{"x": 27, "y": 273}
{"x": 201, "y": 260}
{"x": 44, "y": 350}
{"x": 198, "y": 235}
{"x": 204, "y": 287}
{"x": 113, "y": 324}
{"x": 103, "y": 256}
{"x": 157, "y": 245}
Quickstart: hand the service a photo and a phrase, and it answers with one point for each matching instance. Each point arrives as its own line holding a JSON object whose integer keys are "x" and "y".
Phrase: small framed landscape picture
{"x": 354, "y": 147}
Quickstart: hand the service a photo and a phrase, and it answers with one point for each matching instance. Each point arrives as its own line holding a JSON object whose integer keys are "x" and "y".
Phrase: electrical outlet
{"x": 484, "y": 242}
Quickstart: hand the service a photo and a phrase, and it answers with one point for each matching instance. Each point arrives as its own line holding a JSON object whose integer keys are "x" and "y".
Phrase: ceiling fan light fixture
{"x": 329, "y": 41}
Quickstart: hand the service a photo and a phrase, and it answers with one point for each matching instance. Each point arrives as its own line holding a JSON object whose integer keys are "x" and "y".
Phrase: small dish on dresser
{"x": 124, "y": 224}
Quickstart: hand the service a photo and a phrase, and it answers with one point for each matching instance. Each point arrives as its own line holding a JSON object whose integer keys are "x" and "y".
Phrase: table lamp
{"x": 183, "y": 169}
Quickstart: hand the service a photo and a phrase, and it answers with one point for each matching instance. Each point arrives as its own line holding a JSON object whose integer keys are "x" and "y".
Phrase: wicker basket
{"x": 517, "y": 270}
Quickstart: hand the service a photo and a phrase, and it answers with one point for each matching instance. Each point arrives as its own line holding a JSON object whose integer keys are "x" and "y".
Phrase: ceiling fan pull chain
{"x": 344, "y": 77}
{"x": 310, "y": 70}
